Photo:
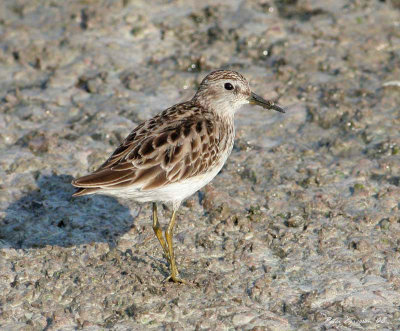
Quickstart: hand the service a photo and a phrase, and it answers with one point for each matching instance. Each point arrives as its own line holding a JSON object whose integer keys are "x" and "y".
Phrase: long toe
{"x": 176, "y": 279}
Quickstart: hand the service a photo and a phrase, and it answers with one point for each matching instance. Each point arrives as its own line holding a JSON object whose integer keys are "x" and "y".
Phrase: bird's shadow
{"x": 50, "y": 216}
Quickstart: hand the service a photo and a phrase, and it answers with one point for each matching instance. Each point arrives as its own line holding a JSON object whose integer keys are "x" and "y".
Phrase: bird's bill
{"x": 267, "y": 104}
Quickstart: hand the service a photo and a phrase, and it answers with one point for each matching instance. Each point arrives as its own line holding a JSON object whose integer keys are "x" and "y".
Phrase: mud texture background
{"x": 301, "y": 229}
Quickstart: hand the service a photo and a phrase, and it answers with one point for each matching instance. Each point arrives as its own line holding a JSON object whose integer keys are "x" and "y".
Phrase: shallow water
{"x": 300, "y": 229}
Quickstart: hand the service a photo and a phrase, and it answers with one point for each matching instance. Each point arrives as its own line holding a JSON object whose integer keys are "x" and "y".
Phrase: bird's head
{"x": 226, "y": 91}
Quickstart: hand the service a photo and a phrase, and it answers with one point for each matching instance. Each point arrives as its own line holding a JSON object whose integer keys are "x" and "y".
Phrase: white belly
{"x": 175, "y": 192}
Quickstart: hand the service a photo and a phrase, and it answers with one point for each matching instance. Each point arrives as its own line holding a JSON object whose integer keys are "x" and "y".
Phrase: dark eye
{"x": 228, "y": 86}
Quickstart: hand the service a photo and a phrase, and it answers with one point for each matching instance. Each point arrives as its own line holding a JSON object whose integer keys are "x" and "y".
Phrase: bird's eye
{"x": 228, "y": 86}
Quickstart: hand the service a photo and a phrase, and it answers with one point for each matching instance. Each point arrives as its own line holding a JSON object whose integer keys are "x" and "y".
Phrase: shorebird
{"x": 174, "y": 154}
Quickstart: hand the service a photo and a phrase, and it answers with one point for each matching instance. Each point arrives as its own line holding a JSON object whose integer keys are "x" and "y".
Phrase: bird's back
{"x": 183, "y": 142}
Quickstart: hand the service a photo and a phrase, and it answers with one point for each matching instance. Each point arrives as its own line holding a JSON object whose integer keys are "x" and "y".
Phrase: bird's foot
{"x": 175, "y": 279}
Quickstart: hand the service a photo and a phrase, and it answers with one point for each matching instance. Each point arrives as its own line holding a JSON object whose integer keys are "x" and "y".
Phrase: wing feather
{"x": 170, "y": 147}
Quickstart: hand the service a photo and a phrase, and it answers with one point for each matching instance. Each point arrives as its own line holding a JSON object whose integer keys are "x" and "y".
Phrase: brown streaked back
{"x": 182, "y": 142}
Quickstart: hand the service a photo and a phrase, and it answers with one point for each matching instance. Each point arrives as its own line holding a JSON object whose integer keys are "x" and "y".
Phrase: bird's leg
{"x": 158, "y": 232}
{"x": 168, "y": 236}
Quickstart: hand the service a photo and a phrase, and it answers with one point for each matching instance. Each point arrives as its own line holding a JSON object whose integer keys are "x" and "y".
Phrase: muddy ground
{"x": 300, "y": 230}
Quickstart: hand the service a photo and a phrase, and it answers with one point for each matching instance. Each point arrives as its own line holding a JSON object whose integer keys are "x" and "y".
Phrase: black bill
{"x": 257, "y": 100}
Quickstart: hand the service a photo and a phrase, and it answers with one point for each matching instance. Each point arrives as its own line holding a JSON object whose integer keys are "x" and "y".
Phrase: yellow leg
{"x": 168, "y": 236}
{"x": 158, "y": 232}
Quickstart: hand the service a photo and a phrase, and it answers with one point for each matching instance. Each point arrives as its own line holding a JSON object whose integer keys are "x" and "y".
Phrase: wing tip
{"x": 82, "y": 189}
{"x": 85, "y": 191}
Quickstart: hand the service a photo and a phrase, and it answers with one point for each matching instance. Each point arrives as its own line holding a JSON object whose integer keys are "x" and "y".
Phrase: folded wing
{"x": 156, "y": 154}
